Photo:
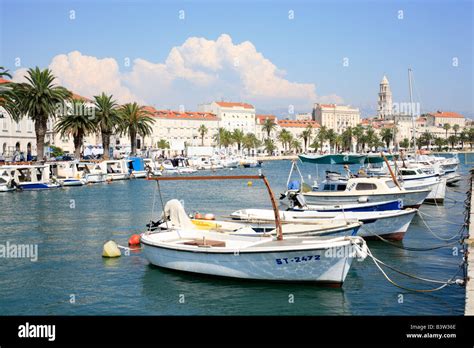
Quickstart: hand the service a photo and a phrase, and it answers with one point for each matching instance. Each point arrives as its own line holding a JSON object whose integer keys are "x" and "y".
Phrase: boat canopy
{"x": 333, "y": 159}
{"x": 136, "y": 163}
{"x": 344, "y": 159}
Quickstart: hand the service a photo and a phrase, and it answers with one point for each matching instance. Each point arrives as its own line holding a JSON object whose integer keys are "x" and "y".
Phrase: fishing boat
{"x": 420, "y": 177}
{"x": 67, "y": 173}
{"x": 250, "y": 163}
{"x": 355, "y": 190}
{"x": 174, "y": 217}
{"x": 178, "y": 165}
{"x": 265, "y": 257}
{"x": 32, "y": 177}
{"x": 230, "y": 162}
{"x": 91, "y": 172}
{"x": 115, "y": 169}
{"x": 357, "y": 207}
{"x": 390, "y": 224}
{"x": 152, "y": 167}
{"x": 206, "y": 163}
{"x": 7, "y": 183}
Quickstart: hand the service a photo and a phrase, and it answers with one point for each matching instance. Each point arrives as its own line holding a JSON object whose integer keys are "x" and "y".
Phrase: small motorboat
{"x": 32, "y": 177}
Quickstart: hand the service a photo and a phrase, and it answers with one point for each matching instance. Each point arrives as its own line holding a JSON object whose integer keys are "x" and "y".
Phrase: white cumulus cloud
{"x": 198, "y": 71}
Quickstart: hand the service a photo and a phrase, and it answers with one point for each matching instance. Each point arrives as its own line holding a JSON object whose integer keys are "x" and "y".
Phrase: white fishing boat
{"x": 320, "y": 260}
{"x": 7, "y": 184}
{"x": 206, "y": 163}
{"x": 250, "y": 163}
{"x": 152, "y": 167}
{"x": 174, "y": 217}
{"x": 177, "y": 165}
{"x": 421, "y": 177}
{"x": 32, "y": 177}
{"x": 230, "y": 162}
{"x": 263, "y": 257}
{"x": 115, "y": 169}
{"x": 358, "y": 190}
{"x": 67, "y": 173}
{"x": 390, "y": 224}
{"x": 91, "y": 172}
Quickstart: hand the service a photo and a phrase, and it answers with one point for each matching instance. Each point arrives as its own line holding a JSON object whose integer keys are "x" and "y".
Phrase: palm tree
{"x": 439, "y": 142}
{"x": 135, "y": 120}
{"x": 285, "y": 138}
{"x": 358, "y": 133}
{"x": 106, "y": 118}
{"x": 405, "y": 143}
{"x": 387, "y": 136}
{"x": 163, "y": 145}
{"x": 464, "y": 137}
{"x": 202, "y": 131}
{"x": 269, "y": 145}
{"x": 322, "y": 135}
{"x": 315, "y": 144}
{"x": 331, "y": 137}
{"x": 238, "y": 137}
{"x": 251, "y": 141}
{"x": 295, "y": 144}
{"x": 4, "y": 72}
{"x": 346, "y": 138}
{"x": 268, "y": 126}
{"x": 456, "y": 129}
{"x": 471, "y": 137}
{"x": 306, "y": 135}
{"x": 453, "y": 140}
{"x": 77, "y": 123}
{"x": 446, "y": 127}
{"x": 39, "y": 99}
{"x": 223, "y": 138}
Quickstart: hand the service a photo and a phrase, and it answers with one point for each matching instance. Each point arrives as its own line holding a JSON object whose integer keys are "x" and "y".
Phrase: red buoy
{"x": 198, "y": 216}
{"x": 134, "y": 239}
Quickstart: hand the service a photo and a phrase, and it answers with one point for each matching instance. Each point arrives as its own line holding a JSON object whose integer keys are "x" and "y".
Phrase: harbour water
{"x": 70, "y": 226}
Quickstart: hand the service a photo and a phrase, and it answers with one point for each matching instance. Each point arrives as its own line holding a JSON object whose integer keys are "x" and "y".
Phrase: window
{"x": 341, "y": 187}
{"x": 363, "y": 186}
{"x": 18, "y": 127}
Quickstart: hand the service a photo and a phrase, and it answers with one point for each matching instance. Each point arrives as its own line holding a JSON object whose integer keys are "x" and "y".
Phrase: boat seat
{"x": 206, "y": 243}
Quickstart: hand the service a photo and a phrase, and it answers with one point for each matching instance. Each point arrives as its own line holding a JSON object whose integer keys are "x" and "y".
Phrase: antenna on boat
{"x": 233, "y": 177}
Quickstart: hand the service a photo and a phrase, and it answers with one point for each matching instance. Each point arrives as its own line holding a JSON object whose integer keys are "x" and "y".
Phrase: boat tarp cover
{"x": 137, "y": 163}
{"x": 333, "y": 159}
{"x": 176, "y": 214}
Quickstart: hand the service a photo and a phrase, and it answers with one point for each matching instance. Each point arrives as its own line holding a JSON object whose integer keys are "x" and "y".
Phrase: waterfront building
{"x": 232, "y": 115}
{"x": 440, "y": 118}
{"x": 337, "y": 117}
{"x": 307, "y": 116}
{"x": 181, "y": 129}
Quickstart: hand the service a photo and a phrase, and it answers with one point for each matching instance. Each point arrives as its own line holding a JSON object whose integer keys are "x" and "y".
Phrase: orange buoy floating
{"x": 134, "y": 239}
{"x": 197, "y": 216}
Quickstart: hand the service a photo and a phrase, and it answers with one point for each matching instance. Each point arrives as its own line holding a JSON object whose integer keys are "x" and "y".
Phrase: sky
{"x": 278, "y": 55}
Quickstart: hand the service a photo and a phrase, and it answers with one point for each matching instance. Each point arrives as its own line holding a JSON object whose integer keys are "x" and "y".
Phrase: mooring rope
{"x": 446, "y": 221}
{"x": 409, "y": 248}
{"x": 377, "y": 263}
{"x": 463, "y": 226}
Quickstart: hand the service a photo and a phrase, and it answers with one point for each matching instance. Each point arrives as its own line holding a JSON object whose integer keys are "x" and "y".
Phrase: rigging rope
{"x": 444, "y": 283}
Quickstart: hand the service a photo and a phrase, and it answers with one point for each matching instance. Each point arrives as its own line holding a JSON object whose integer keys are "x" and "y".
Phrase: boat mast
{"x": 411, "y": 110}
